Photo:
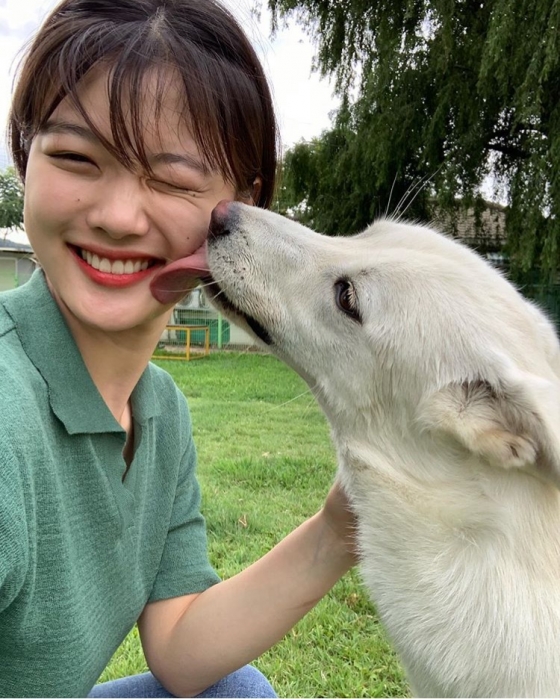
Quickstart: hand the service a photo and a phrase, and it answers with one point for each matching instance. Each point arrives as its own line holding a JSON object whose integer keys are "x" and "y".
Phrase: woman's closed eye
{"x": 71, "y": 157}
{"x": 163, "y": 186}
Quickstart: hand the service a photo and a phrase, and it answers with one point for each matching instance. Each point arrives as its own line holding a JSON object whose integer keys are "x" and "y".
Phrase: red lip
{"x": 114, "y": 280}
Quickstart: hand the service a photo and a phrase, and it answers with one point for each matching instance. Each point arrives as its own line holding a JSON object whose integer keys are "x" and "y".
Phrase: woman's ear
{"x": 256, "y": 191}
{"x": 253, "y": 194}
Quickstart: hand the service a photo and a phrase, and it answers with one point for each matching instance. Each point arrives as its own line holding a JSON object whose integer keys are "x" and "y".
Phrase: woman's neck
{"x": 116, "y": 360}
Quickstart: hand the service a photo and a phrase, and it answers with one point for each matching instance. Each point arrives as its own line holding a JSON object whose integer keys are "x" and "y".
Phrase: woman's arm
{"x": 190, "y": 642}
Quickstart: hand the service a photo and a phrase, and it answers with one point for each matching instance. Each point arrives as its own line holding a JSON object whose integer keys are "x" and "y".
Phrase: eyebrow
{"x": 182, "y": 159}
{"x": 54, "y": 126}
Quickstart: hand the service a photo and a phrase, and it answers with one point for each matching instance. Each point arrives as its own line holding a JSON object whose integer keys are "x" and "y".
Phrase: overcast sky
{"x": 303, "y": 102}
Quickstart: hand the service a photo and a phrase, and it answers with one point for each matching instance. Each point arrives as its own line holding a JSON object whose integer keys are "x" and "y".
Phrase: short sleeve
{"x": 185, "y": 568}
{"x": 14, "y": 554}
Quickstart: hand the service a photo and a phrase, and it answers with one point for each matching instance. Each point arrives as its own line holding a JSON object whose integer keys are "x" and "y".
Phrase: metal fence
{"x": 534, "y": 287}
{"x": 547, "y": 298}
{"x": 195, "y": 328}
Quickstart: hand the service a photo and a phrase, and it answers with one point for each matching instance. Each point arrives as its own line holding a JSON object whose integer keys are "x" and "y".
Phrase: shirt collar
{"x": 47, "y": 341}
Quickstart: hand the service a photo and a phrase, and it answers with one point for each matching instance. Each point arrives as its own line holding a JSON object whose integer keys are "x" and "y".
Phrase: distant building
{"x": 16, "y": 258}
{"x": 484, "y": 230}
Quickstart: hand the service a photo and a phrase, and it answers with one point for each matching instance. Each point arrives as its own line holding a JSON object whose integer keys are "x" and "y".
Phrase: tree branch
{"x": 512, "y": 151}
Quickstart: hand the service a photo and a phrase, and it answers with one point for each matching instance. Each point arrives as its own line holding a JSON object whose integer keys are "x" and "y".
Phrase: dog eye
{"x": 347, "y": 299}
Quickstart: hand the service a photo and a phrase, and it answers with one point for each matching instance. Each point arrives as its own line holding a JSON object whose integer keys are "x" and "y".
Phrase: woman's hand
{"x": 340, "y": 517}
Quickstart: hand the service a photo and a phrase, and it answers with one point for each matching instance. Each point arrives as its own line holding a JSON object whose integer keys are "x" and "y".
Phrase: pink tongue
{"x": 176, "y": 279}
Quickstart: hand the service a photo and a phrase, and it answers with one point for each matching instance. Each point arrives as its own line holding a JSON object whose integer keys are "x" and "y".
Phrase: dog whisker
{"x": 309, "y": 405}
{"x": 276, "y": 407}
{"x": 203, "y": 285}
{"x": 191, "y": 288}
{"x": 243, "y": 352}
{"x": 407, "y": 198}
{"x": 391, "y": 195}
{"x": 396, "y": 211}
{"x": 417, "y": 188}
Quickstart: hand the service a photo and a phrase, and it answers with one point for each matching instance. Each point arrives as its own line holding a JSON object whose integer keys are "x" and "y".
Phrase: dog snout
{"x": 220, "y": 220}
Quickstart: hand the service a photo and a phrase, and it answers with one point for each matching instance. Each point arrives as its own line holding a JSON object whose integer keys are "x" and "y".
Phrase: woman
{"x": 130, "y": 122}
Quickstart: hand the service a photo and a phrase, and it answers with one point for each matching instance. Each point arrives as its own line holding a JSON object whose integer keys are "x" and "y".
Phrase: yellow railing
{"x": 188, "y": 355}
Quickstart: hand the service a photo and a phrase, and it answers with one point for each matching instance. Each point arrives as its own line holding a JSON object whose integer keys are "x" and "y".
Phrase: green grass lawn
{"x": 265, "y": 464}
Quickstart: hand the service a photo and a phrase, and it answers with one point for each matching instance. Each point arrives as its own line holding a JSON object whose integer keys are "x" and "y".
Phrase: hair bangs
{"x": 193, "y": 47}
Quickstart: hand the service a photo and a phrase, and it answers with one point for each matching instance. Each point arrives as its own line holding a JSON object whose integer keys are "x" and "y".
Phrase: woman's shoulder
{"x": 171, "y": 401}
{"x": 13, "y": 359}
{"x": 12, "y": 354}
{"x": 164, "y": 384}
{"x": 18, "y": 377}
{"x": 7, "y": 324}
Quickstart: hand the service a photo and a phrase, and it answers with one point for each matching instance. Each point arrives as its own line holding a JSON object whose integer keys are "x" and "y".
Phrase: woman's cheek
{"x": 189, "y": 228}
{"x": 53, "y": 195}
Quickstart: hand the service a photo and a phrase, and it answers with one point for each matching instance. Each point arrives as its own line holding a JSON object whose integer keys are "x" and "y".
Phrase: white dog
{"x": 442, "y": 388}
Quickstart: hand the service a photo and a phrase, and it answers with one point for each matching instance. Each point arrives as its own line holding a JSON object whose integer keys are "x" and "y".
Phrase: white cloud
{"x": 303, "y": 101}
{"x": 18, "y": 20}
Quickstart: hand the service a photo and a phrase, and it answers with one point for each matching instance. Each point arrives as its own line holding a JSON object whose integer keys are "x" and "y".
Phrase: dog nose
{"x": 219, "y": 219}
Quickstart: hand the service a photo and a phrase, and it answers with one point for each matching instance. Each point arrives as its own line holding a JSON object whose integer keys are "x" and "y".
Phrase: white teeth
{"x": 103, "y": 264}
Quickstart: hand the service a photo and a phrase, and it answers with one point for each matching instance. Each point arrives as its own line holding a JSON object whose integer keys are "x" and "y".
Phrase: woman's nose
{"x": 120, "y": 208}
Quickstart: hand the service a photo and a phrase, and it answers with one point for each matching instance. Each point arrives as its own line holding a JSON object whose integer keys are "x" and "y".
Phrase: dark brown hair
{"x": 227, "y": 99}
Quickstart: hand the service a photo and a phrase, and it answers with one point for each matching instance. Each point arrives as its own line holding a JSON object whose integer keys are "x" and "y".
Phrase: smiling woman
{"x": 109, "y": 214}
{"x": 131, "y": 121}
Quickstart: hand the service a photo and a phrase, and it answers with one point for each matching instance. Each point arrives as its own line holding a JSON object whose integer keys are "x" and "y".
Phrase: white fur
{"x": 444, "y": 404}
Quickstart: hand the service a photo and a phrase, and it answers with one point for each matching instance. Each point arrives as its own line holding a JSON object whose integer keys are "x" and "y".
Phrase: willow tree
{"x": 457, "y": 93}
{"x": 11, "y": 199}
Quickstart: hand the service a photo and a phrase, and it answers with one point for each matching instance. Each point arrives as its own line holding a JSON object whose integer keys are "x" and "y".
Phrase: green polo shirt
{"x": 81, "y": 550}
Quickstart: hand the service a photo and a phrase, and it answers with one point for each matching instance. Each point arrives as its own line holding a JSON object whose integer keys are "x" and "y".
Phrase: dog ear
{"x": 510, "y": 420}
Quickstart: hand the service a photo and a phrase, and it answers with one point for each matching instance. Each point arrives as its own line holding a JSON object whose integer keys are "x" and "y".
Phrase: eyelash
{"x": 74, "y": 157}
{"x": 177, "y": 188}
